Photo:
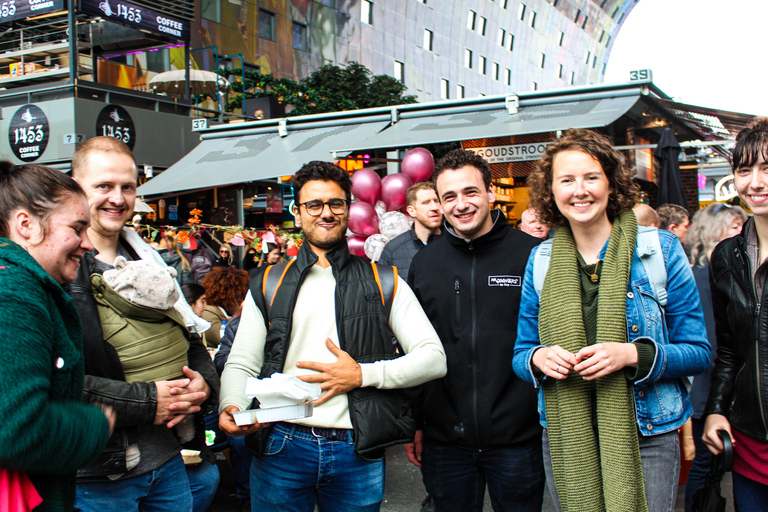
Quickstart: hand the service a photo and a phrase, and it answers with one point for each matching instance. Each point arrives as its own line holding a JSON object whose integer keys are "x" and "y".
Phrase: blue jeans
{"x": 166, "y": 489}
{"x": 203, "y": 482}
{"x": 456, "y": 477}
{"x": 660, "y": 458}
{"x": 299, "y": 470}
{"x": 701, "y": 464}
{"x": 748, "y": 495}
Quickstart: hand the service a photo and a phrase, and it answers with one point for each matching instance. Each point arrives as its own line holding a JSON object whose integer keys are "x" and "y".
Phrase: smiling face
{"x": 327, "y": 229}
{"x": 580, "y": 188}
{"x": 426, "y": 209}
{"x": 65, "y": 241}
{"x": 465, "y": 201}
{"x": 751, "y": 184}
{"x": 109, "y": 180}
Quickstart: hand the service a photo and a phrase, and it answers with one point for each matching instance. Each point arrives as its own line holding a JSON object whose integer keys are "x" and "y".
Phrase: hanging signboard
{"x": 21, "y": 9}
{"x": 115, "y": 121}
{"x": 512, "y": 152}
{"x": 28, "y": 133}
{"x": 138, "y": 17}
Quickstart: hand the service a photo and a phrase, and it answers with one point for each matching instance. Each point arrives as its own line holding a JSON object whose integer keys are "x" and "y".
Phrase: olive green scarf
{"x": 592, "y": 472}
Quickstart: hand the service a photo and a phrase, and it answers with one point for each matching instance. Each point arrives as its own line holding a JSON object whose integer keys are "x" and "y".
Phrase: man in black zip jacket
{"x": 479, "y": 423}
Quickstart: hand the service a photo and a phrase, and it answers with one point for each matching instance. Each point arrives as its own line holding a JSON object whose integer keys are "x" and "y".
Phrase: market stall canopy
{"x": 229, "y": 160}
{"x": 142, "y": 207}
{"x": 425, "y": 127}
{"x": 200, "y": 82}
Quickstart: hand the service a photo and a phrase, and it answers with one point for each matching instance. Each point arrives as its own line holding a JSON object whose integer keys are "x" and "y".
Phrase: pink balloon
{"x": 418, "y": 164}
{"x": 393, "y": 189}
{"x": 357, "y": 245}
{"x": 363, "y": 220}
{"x": 366, "y": 186}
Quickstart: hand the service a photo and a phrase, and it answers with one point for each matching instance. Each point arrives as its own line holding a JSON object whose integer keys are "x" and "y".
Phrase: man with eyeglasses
{"x": 327, "y": 323}
{"x": 674, "y": 218}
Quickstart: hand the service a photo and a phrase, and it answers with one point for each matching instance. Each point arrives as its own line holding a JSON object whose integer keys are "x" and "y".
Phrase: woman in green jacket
{"x": 45, "y": 429}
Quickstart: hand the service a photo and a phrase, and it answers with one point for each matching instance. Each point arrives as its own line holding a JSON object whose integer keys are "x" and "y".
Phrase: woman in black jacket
{"x": 738, "y": 399}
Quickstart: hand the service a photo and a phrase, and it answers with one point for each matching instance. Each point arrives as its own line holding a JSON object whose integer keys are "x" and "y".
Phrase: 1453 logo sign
{"x": 115, "y": 121}
{"x": 28, "y": 133}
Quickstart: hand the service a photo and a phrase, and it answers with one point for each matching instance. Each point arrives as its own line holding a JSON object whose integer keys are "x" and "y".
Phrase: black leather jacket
{"x": 740, "y": 381}
{"x": 135, "y": 403}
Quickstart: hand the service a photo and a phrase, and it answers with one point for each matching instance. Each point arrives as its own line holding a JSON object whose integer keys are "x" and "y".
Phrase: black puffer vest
{"x": 380, "y": 418}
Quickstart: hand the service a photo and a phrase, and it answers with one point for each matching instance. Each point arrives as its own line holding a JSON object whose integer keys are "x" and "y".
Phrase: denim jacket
{"x": 662, "y": 403}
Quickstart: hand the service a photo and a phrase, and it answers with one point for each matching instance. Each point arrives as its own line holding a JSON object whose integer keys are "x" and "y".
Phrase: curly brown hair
{"x": 623, "y": 189}
{"x": 226, "y": 287}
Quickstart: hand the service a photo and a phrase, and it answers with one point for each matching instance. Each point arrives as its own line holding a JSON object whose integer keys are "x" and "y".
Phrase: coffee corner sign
{"x": 28, "y": 133}
{"x": 139, "y": 17}
{"x": 512, "y": 152}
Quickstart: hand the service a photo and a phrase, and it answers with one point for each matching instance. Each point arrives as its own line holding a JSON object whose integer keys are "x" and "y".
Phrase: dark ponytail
{"x": 38, "y": 189}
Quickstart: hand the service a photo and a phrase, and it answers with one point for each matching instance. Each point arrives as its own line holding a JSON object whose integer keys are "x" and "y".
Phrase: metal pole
{"x": 187, "y": 87}
{"x": 74, "y": 60}
{"x": 242, "y": 73}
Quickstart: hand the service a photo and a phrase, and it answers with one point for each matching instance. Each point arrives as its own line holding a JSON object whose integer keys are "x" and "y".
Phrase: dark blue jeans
{"x": 748, "y": 495}
{"x": 456, "y": 477}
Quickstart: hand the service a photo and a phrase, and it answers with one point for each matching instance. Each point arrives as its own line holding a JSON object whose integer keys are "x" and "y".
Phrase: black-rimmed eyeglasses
{"x": 315, "y": 207}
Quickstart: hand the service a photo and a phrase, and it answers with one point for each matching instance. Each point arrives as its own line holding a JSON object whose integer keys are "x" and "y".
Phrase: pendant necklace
{"x": 594, "y": 277}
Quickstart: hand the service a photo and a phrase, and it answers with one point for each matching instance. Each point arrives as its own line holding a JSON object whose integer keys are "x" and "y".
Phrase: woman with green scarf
{"x": 610, "y": 362}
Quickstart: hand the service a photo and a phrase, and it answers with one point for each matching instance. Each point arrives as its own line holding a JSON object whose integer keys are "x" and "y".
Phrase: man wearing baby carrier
{"x": 168, "y": 376}
{"x": 328, "y": 318}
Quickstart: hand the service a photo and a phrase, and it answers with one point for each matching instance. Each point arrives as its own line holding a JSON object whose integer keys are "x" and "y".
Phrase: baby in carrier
{"x": 135, "y": 303}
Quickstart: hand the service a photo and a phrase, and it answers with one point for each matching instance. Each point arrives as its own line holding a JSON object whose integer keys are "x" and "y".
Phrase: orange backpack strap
{"x": 386, "y": 279}
{"x": 273, "y": 278}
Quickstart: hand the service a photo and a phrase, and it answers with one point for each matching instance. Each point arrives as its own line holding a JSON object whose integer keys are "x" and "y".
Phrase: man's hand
{"x": 228, "y": 425}
{"x": 178, "y": 398}
{"x": 413, "y": 450}
{"x": 334, "y": 378}
{"x": 714, "y": 423}
{"x": 603, "y": 359}
{"x": 196, "y": 384}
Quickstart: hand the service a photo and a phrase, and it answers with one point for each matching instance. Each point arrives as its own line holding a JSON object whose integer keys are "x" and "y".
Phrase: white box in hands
{"x": 288, "y": 412}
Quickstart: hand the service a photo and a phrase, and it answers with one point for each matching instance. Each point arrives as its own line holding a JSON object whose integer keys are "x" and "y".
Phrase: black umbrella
{"x": 670, "y": 183}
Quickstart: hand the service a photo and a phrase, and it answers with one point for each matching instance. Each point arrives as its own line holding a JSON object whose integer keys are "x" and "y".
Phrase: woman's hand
{"x": 554, "y": 362}
{"x": 714, "y": 423}
{"x": 603, "y": 359}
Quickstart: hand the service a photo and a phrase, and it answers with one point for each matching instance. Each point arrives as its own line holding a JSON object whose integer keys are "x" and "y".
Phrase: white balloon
{"x": 392, "y": 224}
{"x": 380, "y": 208}
{"x": 374, "y": 244}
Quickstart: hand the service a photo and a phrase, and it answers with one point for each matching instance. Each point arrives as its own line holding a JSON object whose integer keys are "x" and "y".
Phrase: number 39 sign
{"x": 28, "y": 133}
{"x": 114, "y": 121}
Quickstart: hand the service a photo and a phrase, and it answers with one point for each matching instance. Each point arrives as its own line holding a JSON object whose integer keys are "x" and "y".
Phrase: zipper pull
{"x": 757, "y": 310}
{"x": 456, "y": 285}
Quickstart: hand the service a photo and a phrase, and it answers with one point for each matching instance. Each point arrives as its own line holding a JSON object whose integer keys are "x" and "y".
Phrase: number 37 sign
{"x": 115, "y": 121}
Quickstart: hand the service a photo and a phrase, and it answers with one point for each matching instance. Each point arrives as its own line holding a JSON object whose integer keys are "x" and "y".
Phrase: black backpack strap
{"x": 386, "y": 278}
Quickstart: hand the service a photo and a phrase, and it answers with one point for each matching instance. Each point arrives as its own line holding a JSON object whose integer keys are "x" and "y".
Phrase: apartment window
{"x": 588, "y": 56}
{"x": 554, "y": 3}
{"x": 578, "y": 15}
{"x": 605, "y": 65}
{"x": 299, "y": 32}
{"x": 560, "y": 72}
{"x": 535, "y": 86}
{"x": 483, "y": 23}
{"x": 584, "y": 23}
{"x": 615, "y": 11}
{"x": 459, "y": 91}
{"x": 267, "y": 25}
{"x": 399, "y": 71}
{"x": 602, "y": 4}
{"x": 573, "y": 77}
{"x": 602, "y": 36}
{"x": 542, "y": 59}
{"x": 562, "y": 38}
{"x": 511, "y": 42}
{"x": 211, "y": 10}
{"x": 521, "y": 12}
{"x": 608, "y": 41}
{"x": 500, "y": 37}
{"x": 468, "y": 58}
{"x": 621, "y": 18}
{"x": 496, "y": 71}
{"x": 471, "y": 20}
{"x": 594, "y": 62}
{"x": 504, "y": 5}
{"x": 509, "y": 76}
{"x": 483, "y": 63}
{"x": 532, "y": 19}
{"x": 444, "y": 84}
{"x": 366, "y": 12}
{"x": 428, "y": 36}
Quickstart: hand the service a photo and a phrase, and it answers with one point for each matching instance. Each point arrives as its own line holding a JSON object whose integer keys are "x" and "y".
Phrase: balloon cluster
{"x": 376, "y": 217}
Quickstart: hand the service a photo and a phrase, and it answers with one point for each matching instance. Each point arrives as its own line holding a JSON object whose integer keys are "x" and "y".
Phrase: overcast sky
{"x": 711, "y": 53}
